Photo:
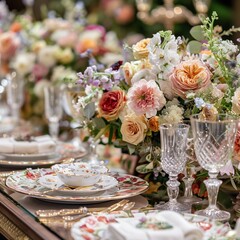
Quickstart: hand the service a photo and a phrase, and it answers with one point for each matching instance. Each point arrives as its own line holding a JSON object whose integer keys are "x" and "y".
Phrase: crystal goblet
{"x": 15, "y": 94}
{"x": 77, "y": 111}
{"x": 173, "y": 160}
{"x": 213, "y": 143}
{"x": 53, "y": 108}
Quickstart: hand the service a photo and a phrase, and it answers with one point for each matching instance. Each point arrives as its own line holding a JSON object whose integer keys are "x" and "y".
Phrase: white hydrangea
{"x": 47, "y": 56}
{"x": 228, "y": 47}
{"x": 171, "y": 114}
{"x": 61, "y": 72}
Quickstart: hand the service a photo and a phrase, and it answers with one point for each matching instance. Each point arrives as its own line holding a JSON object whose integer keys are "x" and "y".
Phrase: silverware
{"x": 62, "y": 212}
{"x": 81, "y": 210}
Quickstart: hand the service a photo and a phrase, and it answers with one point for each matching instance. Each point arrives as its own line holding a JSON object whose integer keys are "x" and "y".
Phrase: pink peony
{"x": 145, "y": 97}
{"x": 39, "y": 71}
{"x": 9, "y": 43}
{"x": 188, "y": 76}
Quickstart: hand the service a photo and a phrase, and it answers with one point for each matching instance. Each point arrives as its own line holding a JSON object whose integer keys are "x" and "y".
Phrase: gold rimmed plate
{"x": 27, "y": 182}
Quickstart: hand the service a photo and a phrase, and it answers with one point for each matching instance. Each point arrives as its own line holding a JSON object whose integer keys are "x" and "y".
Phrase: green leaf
{"x": 131, "y": 148}
{"x": 233, "y": 183}
{"x": 194, "y": 47}
{"x": 143, "y": 169}
{"x": 89, "y": 110}
{"x": 150, "y": 166}
{"x": 99, "y": 123}
{"x": 197, "y": 33}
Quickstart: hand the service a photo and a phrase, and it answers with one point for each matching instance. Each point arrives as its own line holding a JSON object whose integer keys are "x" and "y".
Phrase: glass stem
{"x": 173, "y": 188}
{"x": 188, "y": 187}
{"x": 16, "y": 114}
{"x": 54, "y": 129}
{"x": 212, "y": 185}
{"x": 93, "y": 151}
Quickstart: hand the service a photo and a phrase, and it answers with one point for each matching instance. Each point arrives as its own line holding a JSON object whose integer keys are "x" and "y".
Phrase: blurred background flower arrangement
{"x": 45, "y": 52}
{"x": 165, "y": 79}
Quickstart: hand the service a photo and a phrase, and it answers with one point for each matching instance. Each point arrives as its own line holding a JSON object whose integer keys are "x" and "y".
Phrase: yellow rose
{"x": 134, "y": 129}
{"x": 140, "y": 49}
{"x": 37, "y": 46}
{"x": 65, "y": 56}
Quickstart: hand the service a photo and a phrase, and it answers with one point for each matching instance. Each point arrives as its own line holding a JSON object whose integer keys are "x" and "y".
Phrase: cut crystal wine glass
{"x": 173, "y": 160}
{"x": 213, "y": 143}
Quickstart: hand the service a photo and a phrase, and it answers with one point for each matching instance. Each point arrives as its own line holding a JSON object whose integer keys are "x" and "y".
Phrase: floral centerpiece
{"x": 167, "y": 80}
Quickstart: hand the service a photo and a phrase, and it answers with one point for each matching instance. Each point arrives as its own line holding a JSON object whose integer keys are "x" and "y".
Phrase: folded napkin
{"x": 41, "y": 144}
{"x": 166, "y": 225}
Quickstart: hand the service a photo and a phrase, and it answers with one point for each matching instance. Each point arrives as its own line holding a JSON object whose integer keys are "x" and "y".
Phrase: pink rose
{"x": 99, "y": 28}
{"x": 9, "y": 43}
{"x": 111, "y": 104}
{"x": 188, "y": 76}
{"x": 40, "y": 71}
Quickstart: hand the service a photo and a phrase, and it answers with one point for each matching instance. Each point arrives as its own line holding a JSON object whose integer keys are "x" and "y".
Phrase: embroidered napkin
{"x": 166, "y": 225}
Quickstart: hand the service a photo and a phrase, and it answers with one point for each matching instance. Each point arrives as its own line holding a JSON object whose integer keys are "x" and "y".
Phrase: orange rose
{"x": 188, "y": 76}
{"x": 111, "y": 104}
{"x": 9, "y": 43}
{"x": 153, "y": 124}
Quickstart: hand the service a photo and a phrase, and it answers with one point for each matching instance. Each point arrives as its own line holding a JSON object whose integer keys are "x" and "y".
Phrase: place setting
{"x": 75, "y": 183}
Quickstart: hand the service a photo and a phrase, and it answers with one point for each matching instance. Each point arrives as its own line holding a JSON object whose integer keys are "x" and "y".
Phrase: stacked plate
{"x": 46, "y": 184}
{"x": 38, "y": 151}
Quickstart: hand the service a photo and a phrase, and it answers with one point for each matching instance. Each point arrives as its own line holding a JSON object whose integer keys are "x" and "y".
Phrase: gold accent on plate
{"x": 11, "y": 231}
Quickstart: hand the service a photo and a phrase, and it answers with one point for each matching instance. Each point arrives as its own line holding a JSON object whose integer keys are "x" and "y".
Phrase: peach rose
{"x": 134, "y": 129}
{"x": 8, "y": 45}
{"x": 153, "y": 124}
{"x": 191, "y": 75}
{"x": 128, "y": 71}
{"x": 209, "y": 113}
{"x": 111, "y": 104}
{"x": 236, "y": 101}
{"x": 140, "y": 49}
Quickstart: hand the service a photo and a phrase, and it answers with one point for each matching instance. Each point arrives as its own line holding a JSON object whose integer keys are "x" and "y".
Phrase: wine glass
{"x": 53, "y": 108}
{"x": 72, "y": 95}
{"x": 15, "y": 94}
{"x": 70, "y": 98}
{"x": 189, "y": 170}
{"x": 173, "y": 160}
{"x": 213, "y": 143}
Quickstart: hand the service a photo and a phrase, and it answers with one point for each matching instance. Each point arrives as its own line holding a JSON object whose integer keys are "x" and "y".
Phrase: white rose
{"x": 23, "y": 63}
{"x": 47, "y": 56}
{"x": 146, "y": 74}
{"x": 111, "y": 42}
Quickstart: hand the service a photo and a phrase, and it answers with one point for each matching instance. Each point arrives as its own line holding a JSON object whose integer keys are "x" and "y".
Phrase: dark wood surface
{"x": 24, "y": 221}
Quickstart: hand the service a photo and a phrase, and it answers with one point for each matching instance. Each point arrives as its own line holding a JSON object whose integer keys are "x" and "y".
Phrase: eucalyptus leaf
{"x": 99, "y": 123}
{"x": 197, "y": 33}
{"x": 150, "y": 166}
{"x": 194, "y": 47}
{"x": 89, "y": 110}
{"x": 142, "y": 169}
{"x": 131, "y": 148}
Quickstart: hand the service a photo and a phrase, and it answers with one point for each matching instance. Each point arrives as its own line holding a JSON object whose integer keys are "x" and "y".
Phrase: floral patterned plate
{"x": 93, "y": 227}
{"x": 27, "y": 182}
{"x": 53, "y": 182}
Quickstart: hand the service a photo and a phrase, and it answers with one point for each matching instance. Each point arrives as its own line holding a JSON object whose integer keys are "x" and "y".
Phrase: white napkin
{"x": 181, "y": 229}
{"x": 42, "y": 144}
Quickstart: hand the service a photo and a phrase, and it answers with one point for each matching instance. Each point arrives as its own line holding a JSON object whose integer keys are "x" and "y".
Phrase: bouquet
{"x": 167, "y": 80}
